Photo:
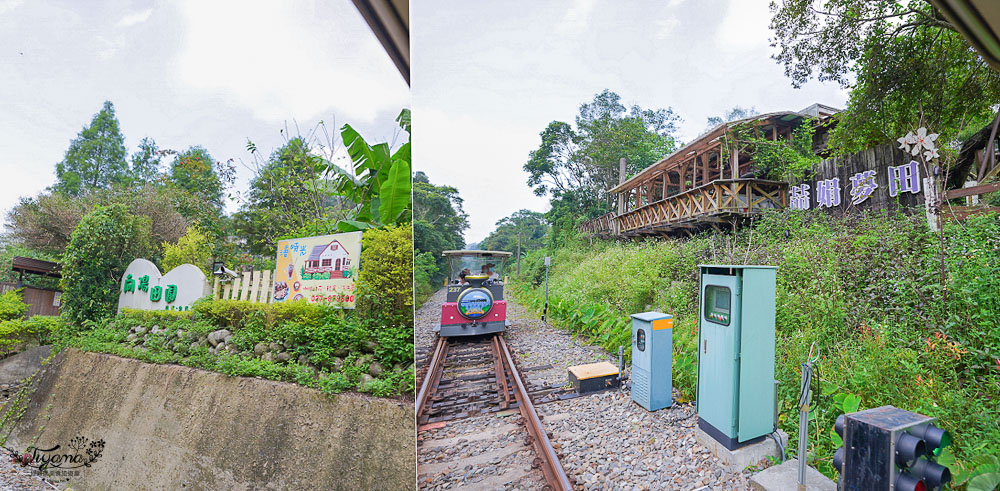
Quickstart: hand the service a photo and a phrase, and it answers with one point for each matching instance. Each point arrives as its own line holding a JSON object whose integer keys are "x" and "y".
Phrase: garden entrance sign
{"x": 144, "y": 288}
{"x": 318, "y": 269}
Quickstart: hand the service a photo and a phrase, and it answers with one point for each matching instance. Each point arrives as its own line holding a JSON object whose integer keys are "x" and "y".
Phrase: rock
{"x": 180, "y": 333}
{"x": 375, "y": 369}
{"x": 227, "y": 339}
{"x": 268, "y": 356}
{"x": 338, "y": 364}
{"x": 211, "y": 350}
{"x": 363, "y": 360}
{"x": 371, "y": 346}
{"x": 365, "y": 380}
{"x": 220, "y": 347}
{"x": 259, "y": 349}
{"x": 132, "y": 337}
{"x": 194, "y": 345}
{"x": 140, "y": 330}
{"x": 342, "y": 352}
{"x": 283, "y": 357}
{"x": 303, "y": 360}
{"x": 274, "y": 347}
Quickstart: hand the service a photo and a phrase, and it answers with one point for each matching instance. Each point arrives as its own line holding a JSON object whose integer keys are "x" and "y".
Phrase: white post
{"x": 974, "y": 199}
{"x": 930, "y": 203}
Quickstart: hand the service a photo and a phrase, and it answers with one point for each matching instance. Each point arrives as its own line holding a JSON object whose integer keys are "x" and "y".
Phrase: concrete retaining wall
{"x": 173, "y": 427}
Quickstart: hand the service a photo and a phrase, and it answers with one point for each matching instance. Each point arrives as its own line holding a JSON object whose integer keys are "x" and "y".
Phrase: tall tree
{"x": 900, "y": 59}
{"x": 531, "y": 227}
{"x": 193, "y": 170}
{"x": 737, "y": 112}
{"x": 438, "y": 220}
{"x": 287, "y": 192}
{"x": 96, "y": 158}
{"x": 146, "y": 161}
{"x": 583, "y": 161}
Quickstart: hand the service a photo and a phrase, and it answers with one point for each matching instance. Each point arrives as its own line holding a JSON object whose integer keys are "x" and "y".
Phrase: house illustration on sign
{"x": 330, "y": 258}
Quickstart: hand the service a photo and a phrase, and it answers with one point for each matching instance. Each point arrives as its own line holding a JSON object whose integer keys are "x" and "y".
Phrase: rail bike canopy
{"x": 474, "y": 263}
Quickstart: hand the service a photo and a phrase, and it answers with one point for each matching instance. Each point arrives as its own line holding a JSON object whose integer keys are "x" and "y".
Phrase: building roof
{"x": 713, "y": 134}
{"x": 36, "y": 266}
{"x": 317, "y": 250}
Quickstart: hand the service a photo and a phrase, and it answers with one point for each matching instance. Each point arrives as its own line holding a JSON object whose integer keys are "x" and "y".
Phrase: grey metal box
{"x": 652, "y": 358}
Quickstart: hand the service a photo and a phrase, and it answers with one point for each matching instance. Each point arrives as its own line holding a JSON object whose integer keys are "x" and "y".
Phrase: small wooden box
{"x": 593, "y": 377}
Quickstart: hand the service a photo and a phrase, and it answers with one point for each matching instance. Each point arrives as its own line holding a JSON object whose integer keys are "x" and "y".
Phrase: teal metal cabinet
{"x": 736, "y": 393}
{"x": 652, "y": 358}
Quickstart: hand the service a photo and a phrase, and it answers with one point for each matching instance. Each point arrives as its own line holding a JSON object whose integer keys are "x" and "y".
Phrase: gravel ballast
{"x": 605, "y": 441}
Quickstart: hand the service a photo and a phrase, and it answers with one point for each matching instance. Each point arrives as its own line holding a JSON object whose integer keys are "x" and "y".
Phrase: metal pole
{"x": 545, "y": 312}
{"x": 518, "y": 253}
{"x": 804, "y": 395}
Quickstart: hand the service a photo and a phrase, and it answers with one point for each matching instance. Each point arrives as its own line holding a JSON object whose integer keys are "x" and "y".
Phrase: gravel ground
{"x": 605, "y": 441}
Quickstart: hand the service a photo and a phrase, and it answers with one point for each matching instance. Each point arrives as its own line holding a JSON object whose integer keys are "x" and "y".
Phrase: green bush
{"x": 425, "y": 269}
{"x": 11, "y": 306}
{"x": 385, "y": 284}
{"x": 868, "y": 290}
{"x": 103, "y": 244}
{"x": 194, "y": 247}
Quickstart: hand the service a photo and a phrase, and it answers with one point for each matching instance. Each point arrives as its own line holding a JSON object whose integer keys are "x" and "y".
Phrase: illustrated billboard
{"x": 318, "y": 269}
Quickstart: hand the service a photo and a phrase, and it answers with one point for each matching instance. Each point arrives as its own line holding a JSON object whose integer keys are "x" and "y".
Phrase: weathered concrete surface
{"x": 786, "y": 476}
{"x": 16, "y": 368}
{"x": 173, "y": 427}
{"x": 742, "y": 457}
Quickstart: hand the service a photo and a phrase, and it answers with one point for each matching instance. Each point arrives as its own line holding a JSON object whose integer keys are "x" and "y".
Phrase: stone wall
{"x": 172, "y": 427}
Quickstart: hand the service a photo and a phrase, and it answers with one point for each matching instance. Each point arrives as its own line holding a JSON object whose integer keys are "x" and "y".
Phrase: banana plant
{"x": 380, "y": 184}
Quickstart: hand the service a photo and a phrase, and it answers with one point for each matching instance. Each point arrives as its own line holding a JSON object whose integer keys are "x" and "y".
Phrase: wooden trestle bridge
{"x": 708, "y": 182}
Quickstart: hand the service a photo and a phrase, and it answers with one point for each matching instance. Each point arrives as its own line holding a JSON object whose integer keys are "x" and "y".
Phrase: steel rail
{"x": 553, "y": 470}
{"x": 500, "y": 374}
{"x": 433, "y": 376}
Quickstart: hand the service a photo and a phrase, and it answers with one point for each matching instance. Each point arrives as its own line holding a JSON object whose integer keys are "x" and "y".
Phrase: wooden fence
{"x": 251, "y": 286}
{"x": 40, "y": 301}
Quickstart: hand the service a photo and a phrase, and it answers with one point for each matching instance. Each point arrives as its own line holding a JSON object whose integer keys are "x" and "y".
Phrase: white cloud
{"x": 745, "y": 25}
{"x": 577, "y": 17}
{"x": 280, "y": 61}
{"x": 8, "y": 5}
{"x": 134, "y": 18}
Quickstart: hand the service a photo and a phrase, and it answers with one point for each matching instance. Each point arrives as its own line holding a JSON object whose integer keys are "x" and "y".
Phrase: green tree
{"x": 95, "y": 158}
{"x": 193, "y": 170}
{"x": 583, "y": 161}
{"x": 287, "y": 193}
{"x": 102, "y": 246}
{"x": 904, "y": 64}
{"x": 438, "y": 223}
{"x": 146, "y": 161}
{"x": 531, "y": 226}
{"x": 193, "y": 247}
{"x": 737, "y": 112}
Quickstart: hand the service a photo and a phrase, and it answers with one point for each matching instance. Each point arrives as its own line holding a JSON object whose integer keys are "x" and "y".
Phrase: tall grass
{"x": 867, "y": 290}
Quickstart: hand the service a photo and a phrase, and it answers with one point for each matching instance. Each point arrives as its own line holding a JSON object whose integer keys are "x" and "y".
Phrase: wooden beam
{"x": 684, "y": 169}
{"x": 974, "y": 190}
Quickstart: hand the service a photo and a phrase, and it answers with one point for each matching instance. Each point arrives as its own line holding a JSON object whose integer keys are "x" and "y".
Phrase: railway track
{"x": 476, "y": 376}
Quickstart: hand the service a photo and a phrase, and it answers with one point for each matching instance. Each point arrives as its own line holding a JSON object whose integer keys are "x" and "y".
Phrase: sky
{"x": 488, "y": 77}
{"x": 186, "y": 73}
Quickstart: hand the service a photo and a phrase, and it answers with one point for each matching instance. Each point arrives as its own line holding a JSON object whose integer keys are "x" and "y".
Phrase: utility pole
{"x": 518, "y": 253}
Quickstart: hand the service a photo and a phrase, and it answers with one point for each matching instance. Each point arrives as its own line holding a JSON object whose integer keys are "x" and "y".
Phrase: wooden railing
{"x": 716, "y": 201}
{"x": 602, "y": 225}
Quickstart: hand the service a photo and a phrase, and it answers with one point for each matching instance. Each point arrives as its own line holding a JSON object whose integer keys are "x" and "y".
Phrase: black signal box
{"x": 887, "y": 448}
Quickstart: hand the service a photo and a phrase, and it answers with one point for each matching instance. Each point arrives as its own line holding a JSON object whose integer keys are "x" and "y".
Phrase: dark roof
{"x": 36, "y": 266}
{"x": 317, "y": 250}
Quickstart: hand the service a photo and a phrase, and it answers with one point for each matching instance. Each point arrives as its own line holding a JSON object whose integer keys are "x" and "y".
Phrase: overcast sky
{"x": 488, "y": 77}
{"x": 184, "y": 73}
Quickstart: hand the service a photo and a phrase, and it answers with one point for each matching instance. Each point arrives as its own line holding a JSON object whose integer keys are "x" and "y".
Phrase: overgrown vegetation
{"x": 438, "y": 224}
{"x": 328, "y": 349}
{"x": 867, "y": 290}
